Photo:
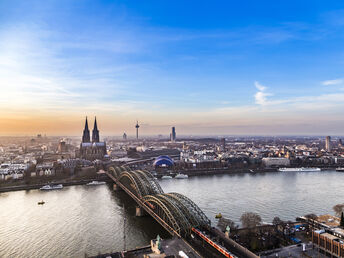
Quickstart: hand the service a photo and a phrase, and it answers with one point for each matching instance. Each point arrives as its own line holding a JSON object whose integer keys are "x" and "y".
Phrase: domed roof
{"x": 164, "y": 157}
{"x": 163, "y": 161}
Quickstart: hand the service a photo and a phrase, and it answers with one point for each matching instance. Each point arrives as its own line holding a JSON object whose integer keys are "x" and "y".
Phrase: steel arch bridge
{"x": 178, "y": 211}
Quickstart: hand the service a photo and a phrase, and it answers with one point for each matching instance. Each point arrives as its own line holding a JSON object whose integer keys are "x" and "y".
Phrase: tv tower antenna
{"x": 137, "y": 129}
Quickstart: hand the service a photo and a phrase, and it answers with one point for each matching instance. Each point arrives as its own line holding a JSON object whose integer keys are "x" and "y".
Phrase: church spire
{"x": 95, "y": 132}
{"x": 86, "y": 133}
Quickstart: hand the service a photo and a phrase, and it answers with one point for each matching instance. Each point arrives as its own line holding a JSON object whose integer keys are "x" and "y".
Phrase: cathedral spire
{"x": 86, "y": 133}
{"x": 95, "y": 132}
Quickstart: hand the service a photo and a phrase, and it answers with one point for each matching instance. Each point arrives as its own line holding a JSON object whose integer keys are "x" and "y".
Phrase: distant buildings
{"x": 173, "y": 135}
{"x": 328, "y": 143}
{"x": 276, "y": 162}
{"x": 95, "y": 149}
{"x": 124, "y": 136}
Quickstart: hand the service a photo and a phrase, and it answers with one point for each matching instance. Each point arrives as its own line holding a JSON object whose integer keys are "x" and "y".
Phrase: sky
{"x": 205, "y": 67}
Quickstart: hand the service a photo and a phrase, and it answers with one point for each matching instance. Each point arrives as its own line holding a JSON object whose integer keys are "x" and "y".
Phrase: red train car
{"x": 213, "y": 244}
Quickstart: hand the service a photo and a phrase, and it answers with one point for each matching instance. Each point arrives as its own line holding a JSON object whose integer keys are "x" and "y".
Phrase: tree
{"x": 250, "y": 220}
{"x": 338, "y": 209}
{"x": 223, "y": 223}
{"x": 276, "y": 221}
{"x": 311, "y": 216}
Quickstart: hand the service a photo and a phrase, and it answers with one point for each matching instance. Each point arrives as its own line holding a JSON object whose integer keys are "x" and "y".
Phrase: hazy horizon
{"x": 220, "y": 68}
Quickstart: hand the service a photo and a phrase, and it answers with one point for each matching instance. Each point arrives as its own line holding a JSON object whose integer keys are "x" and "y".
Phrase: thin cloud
{"x": 333, "y": 82}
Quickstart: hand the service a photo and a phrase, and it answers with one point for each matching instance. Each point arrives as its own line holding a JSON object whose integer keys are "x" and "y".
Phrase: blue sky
{"x": 206, "y": 67}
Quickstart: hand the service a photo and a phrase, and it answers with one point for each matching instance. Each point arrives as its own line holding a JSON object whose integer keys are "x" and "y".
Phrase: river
{"x": 81, "y": 220}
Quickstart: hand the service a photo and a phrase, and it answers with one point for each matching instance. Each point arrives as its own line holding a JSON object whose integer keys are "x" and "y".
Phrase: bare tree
{"x": 338, "y": 209}
{"x": 311, "y": 216}
{"x": 250, "y": 220}
{"x": 276, "y": 221}
{"x": 223, "y": 223}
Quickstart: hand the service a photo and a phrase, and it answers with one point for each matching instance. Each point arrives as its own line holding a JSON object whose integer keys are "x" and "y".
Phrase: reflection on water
{"x": 287, "y": 195}
{"x": 81, "y": 220}
{"x": 75, "y": 221}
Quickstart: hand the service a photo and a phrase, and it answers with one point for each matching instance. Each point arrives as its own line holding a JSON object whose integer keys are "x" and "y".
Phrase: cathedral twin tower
{"x": 95, "y": 149}
{"x": 95, "y": 132}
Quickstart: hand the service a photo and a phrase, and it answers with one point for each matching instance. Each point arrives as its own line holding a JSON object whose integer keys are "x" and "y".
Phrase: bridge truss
{"x": 178, "y": 211}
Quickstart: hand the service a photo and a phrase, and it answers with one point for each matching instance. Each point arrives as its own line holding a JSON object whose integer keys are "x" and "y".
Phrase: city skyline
{"x": 226, "y": 69}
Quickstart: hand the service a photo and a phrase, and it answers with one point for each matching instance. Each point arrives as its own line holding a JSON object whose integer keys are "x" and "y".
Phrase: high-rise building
{"x": 125, "y": 136}
{"x": 328, "y": 143}
{"x": 223, "y": 144}
{"x": 137, "y": 130}
{"x": 173, "y": 135}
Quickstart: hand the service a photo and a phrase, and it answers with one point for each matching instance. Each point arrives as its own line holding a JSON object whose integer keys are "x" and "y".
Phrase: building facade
{"x": 95, "y": 149}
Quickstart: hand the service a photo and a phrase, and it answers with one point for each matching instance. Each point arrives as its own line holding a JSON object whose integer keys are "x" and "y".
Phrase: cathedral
{"x": 95, "y": 149}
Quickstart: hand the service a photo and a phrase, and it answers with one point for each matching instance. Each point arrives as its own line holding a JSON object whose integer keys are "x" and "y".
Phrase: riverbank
{"x": 37, "y": 186}
{"x": 218, "y": 171}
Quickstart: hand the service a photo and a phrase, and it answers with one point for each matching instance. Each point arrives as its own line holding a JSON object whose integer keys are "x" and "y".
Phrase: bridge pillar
{"x": 140, "y": 212}
{"x": 116, "y": 187}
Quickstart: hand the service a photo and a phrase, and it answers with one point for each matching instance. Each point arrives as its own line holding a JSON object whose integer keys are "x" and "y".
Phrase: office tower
{"x": 125, "y": 136}
{"x": 328, "y": 143}
{"x": 223, "y": 143}
{"x": 173, "y": 135}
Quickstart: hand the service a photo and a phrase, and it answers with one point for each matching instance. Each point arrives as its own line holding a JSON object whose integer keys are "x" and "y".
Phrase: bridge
{"x": 174, "y": 211}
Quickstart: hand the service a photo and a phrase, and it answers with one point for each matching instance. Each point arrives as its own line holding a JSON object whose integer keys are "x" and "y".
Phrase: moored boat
{"x": 340, "y": 169}
{"x": 96, "y": 183}
{"x": 51, "y": 187}
{"x": 41, "y": 202}
{"x": 299, "y": 169}
{"x": 166, "y": 177}
{"x": 181, "y": 176}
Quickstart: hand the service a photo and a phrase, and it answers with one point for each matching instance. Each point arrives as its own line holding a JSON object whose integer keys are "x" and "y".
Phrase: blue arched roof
{"x": 164, "y": 157}
{"x": 163, "y": 160}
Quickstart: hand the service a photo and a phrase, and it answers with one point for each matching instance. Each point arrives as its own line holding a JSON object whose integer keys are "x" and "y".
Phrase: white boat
{"x": 299, "y": 169}
{"x": 340, "y": 169}
{"x": 96, "y": 183}
{"x": 51, "y": 187}
{"x": 181, "y": 176}
{"x": 166, "y": 177}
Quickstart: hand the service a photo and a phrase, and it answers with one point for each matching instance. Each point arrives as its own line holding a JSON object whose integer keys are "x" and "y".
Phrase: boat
{"x": 51, "y": 187}
{"x": 218, "y": 216}
{"x": 181, "y": 176}
{"x": 41, "y": 202}
{"x": 96, "y": 183}
{"x": 299, "y": 169}
{"x": 166, "y": 177}
{"x": 340, "y": 169}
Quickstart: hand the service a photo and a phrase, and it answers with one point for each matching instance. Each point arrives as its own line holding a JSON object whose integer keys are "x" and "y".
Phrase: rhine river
{"x": 81, "y": 220}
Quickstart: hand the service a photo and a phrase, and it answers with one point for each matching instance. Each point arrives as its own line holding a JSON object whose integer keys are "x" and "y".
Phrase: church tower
{"x": 95, "y": 132}
{"x": 86, "y": 133}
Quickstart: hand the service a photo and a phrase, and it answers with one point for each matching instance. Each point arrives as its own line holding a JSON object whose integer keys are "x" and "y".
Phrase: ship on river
{"x": 299, "y": 169}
